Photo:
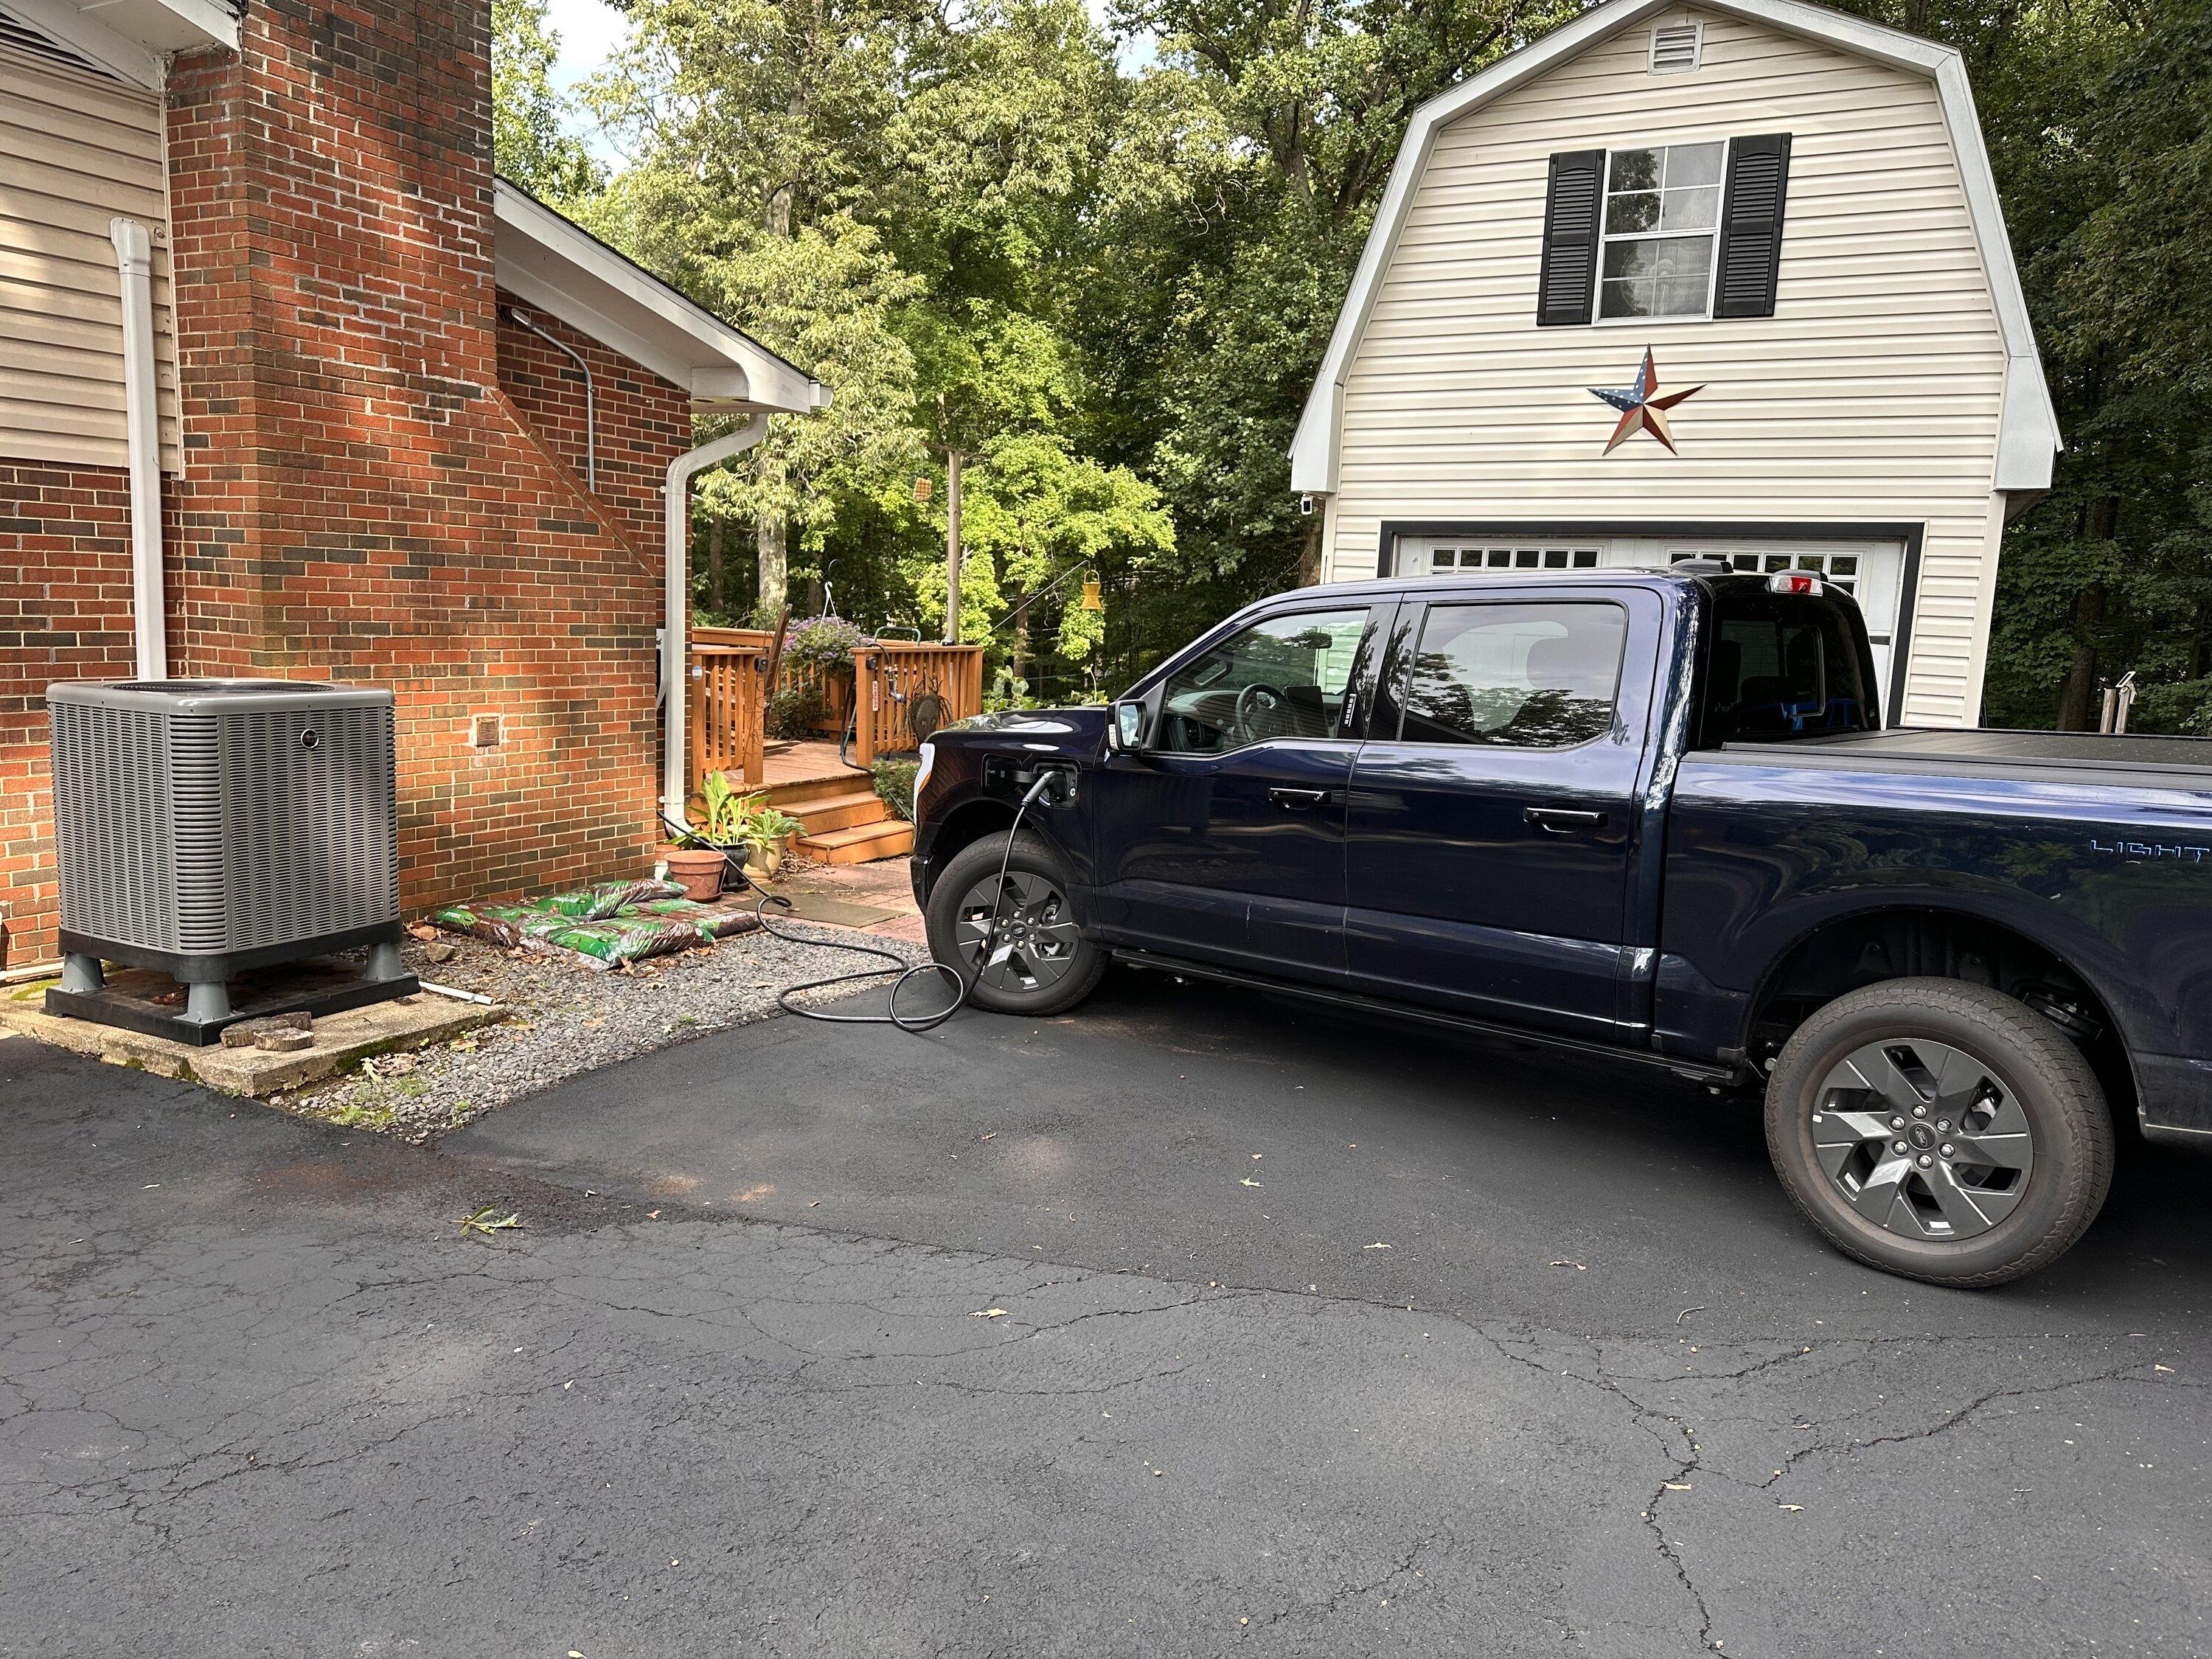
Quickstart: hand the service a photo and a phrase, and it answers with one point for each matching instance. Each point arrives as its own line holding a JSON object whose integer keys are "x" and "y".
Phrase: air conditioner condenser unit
{"x": 209, "y": 830}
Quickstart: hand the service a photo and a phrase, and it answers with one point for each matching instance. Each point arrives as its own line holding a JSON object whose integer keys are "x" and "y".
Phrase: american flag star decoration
{"x": 1640, "y": 411}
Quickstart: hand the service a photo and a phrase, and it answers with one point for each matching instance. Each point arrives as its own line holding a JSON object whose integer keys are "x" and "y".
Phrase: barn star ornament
{"x": 1640, "y": 410}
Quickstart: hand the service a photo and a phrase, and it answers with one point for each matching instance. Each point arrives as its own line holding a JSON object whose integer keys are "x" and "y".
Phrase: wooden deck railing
{"x": 728, "y": 683}
{"x": 892, "y": 676}
{"x": 835, "y": 690}
{"x": 729, "y": 693}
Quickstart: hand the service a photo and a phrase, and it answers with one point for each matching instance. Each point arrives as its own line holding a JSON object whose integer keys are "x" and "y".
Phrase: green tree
{"x": 529, "y": 143}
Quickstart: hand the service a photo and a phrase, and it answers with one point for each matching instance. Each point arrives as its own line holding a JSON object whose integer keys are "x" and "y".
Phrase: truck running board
{"x": 1693, "y": 1071}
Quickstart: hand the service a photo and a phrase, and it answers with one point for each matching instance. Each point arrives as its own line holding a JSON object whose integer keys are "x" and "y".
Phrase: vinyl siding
{"x": 75, "y": 151}
{"x": 1873, "y": 394}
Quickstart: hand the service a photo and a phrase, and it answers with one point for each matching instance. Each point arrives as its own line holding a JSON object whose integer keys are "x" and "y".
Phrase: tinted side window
{"x": 1781, "y": 667}
{"x": 1285, "y": 677}
{"x": 1522, "y": 676}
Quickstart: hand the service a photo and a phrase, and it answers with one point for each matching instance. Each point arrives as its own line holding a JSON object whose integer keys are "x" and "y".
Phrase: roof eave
{"x": 132, "y": 39}
{"x": 555, "y": 265}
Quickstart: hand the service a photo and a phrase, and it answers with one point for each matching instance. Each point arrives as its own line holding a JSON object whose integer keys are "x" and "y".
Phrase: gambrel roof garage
{"x": 1792, "y": 211}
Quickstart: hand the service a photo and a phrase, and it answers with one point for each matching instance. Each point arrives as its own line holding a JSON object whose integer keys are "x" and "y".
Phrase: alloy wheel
{"x": 1015, "y": 934}
{"x": 1922, "y": 1139}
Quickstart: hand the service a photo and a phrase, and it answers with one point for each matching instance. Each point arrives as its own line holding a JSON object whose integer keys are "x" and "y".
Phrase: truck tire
{"x": 1042, "y": 964}
{"x": 1940, "y": 1130}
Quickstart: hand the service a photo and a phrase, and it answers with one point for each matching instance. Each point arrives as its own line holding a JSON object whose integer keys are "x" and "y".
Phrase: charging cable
{"x": 915, "y": 1023}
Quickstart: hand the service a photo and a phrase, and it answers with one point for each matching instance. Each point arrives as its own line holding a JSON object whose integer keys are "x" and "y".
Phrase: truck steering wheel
{"x": 1253, "y": 700}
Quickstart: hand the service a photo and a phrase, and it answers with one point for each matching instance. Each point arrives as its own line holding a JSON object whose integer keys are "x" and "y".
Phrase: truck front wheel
{"x": 1001, "y": 917}
{"x": 1940, "y": 1130}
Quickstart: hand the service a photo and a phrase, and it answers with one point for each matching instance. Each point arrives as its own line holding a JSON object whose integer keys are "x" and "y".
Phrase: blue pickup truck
{"x": 1649, "y": 815}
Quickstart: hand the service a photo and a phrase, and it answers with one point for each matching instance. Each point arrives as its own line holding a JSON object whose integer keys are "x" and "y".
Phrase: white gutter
{"x": 134, "y": 262}
{"x": 675, "y": 680}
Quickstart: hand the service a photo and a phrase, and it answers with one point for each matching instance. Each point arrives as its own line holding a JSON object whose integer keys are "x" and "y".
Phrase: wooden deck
{"x": 804, "y": 763}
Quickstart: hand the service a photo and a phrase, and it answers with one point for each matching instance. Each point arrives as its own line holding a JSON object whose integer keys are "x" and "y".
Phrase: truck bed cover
{"x": 2178, "y": 762}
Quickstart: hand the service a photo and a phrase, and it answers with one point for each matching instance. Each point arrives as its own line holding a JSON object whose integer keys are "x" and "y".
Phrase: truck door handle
{"x": 1298, "y": 799}
{"x": 1563, "y": 820}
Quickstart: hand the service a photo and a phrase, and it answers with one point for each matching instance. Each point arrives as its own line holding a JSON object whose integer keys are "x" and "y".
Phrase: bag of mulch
{"x": 607, "y": 899}
{"x": 496, "y": 924}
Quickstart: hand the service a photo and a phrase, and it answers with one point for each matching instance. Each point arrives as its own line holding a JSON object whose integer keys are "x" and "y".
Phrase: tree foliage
{"x": 1100, "y": 261}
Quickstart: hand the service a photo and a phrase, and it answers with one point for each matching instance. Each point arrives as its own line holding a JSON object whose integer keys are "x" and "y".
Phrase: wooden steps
{"x": 860, "y": 844}
{"x": 826, "y": 812}
{"x": 842, "y": 820}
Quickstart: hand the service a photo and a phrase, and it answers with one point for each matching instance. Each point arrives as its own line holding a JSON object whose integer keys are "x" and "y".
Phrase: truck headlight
{"x": 922, "y": 780}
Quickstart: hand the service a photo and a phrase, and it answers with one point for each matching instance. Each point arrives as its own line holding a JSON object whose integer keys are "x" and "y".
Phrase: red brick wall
{"x": 642, "y": 421}
{"x": 64, "y": 614}
{"x": 380, "y": 480}
{"x": 360, "y": 502}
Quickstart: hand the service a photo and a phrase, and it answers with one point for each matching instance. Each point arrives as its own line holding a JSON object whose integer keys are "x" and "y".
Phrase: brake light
{"x": 1793, "y": 581}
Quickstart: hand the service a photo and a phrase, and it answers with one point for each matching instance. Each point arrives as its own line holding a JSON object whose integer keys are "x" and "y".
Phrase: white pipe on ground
{"x": 675, "y": 788}
{"x": 134, "y": 263}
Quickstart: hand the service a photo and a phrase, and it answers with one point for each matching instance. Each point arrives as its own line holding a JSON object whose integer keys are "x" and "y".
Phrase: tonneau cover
{"x": 1966, "y": 747}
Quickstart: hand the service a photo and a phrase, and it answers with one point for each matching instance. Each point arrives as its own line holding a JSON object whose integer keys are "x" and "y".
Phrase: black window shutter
{"x": 1569, "y": 277}
{"x": 1750, "y": 226}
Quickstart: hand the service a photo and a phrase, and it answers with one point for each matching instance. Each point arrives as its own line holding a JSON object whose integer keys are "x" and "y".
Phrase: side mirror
{"x": 1131, "y": 721}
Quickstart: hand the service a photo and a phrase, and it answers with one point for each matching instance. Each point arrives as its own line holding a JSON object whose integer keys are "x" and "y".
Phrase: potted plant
{"x": 695, "y": 859}
{"x": 768, "y": 833}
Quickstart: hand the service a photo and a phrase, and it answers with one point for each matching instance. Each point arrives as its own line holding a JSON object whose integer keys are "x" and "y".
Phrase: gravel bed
{"x": 565, "y": 1019}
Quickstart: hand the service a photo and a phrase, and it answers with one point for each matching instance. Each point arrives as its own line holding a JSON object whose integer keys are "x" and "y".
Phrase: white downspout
{"x": 675, "y": 788}
{"x": 134, "y": 263}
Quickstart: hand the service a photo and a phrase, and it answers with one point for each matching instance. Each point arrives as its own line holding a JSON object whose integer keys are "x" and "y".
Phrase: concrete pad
{"x": 341, "y": 1039}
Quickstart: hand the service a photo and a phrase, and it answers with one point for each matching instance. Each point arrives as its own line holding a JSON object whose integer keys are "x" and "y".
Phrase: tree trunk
{"x": 715, "y": 591}
{"x": 2078, "y": 710}
{"x": 1309, "y": 551}
{"x": 952, "y": 459}
{"x": 775, "y": 571}
{"x": 1019, "y": 659}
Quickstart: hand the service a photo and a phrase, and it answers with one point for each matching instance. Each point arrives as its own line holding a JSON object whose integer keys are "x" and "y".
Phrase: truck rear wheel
{"x": 1940, "y": 1130}
{"x": 1016, "y": 945}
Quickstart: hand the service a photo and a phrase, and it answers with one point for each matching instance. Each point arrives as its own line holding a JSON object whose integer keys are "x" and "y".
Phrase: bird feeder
{"x": 1093, "y": 597}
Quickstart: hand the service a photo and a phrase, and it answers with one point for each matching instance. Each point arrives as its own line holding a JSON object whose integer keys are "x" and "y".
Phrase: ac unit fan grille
{"x": 112, "y": 812}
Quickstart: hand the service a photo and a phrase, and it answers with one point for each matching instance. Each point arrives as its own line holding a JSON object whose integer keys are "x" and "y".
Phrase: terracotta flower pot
{"x": 698, "y": 868}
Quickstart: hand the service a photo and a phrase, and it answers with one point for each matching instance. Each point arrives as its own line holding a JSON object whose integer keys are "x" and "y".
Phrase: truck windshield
{"x": 1782, "y": 667}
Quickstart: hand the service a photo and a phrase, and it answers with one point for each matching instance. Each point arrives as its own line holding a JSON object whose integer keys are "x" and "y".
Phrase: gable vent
{"x": 1674, "y": 48}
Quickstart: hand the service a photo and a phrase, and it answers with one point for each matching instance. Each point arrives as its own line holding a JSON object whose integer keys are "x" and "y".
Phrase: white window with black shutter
{"x": 1667, "y": 232}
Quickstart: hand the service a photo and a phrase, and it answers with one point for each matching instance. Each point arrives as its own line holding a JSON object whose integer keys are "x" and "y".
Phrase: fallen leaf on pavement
{"x": 1247, "y": 1182}
{"x": 1564, "y": 1262}
{"x": 989, "y": 1313}
{"x": 484, "y": 1223}
{"x": 1377, "y": 1245}
{"x": 1794, "y": 1509}
{"x": 1678, "y": 1486}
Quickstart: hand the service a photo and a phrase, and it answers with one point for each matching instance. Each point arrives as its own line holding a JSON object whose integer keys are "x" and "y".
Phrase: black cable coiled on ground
{"x": 916, "y": 1024}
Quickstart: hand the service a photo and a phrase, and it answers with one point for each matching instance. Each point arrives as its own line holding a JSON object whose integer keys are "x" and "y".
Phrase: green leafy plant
{"x": 768, "y": 823}
{"x": 726, "y": 808}
{"x": 793, "y": 712}
{"x": 894, "y": 782}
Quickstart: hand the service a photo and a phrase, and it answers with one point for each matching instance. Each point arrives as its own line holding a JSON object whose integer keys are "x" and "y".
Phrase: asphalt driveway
{"x": 740, "y": 1383}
